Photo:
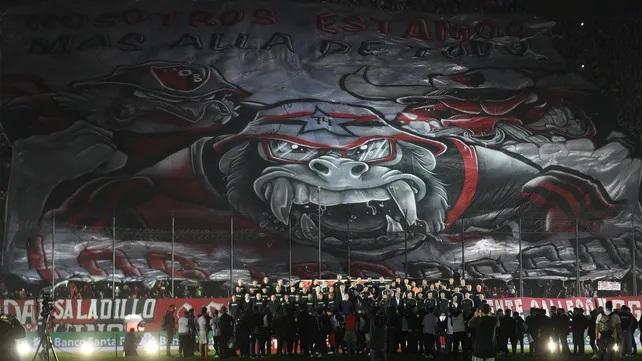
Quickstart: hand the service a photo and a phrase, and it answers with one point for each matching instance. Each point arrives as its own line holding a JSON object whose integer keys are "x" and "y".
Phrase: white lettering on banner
{"x": 105, "y": 309}
{"x": 92, "y": 314}
{"x": 148, "y": 308}
{"x": 617, "y": 303}
{"x": 58, "y": 309}
{"x": 11, "y": 306}
{"x": 534, "y": 304}
{"x": 518, "y": 305}
{"x": 545, "y": 306}
{"x": 508, "y": 304}
{"x": 116, "y": 308}
{"x": 569, "y": 304}
{"x": 123, "y": 309}
{"x": 134, "y": 309}
{"x": 79, "y": 314}
{"x": 600, "y": 302}
{"x": 69, "y": 313}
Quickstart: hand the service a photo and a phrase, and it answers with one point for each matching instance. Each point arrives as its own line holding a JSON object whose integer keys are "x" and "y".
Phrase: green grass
{"x": 110, "y": 356}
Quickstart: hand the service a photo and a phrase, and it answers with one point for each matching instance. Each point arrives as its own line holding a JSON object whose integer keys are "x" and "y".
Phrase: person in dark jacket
{"x": 394, "y": 330}
{"x": 579, "y": 323}
{"x": 626, "y": 320}
{"x": 227, "y": 332}
{"x": 506, "y": 330}
{"x": 484, "y": 325}
{"x": 562, "y": 323}
{"x": 542, "y": 330}
{"x": 308, "y": 329}
{"x": 531, "y": 329}
{"x": 518, "y": 333}
{"x": 243, "y": 331}
{"x": 378, "y": 337}
{"x": 169, "y": 326}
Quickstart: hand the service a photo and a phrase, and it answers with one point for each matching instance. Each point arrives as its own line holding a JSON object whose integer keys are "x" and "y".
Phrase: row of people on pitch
{"x": 343, "y": 329}
{"x": 335, "y": 289}
{"x": 351, "y": 302}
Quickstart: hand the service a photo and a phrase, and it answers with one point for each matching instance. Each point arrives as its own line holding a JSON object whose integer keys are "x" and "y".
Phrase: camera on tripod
{"x": 46, "y": 305}
{"x": 45, "y": 347}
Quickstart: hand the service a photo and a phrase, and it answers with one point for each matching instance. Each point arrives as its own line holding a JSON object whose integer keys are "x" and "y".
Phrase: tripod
{"x": 46, "y": 344}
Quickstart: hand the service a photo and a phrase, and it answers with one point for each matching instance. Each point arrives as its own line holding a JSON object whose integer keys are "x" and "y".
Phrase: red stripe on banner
{"x": 471, "y": 178}
{"x": 568, "y": 196}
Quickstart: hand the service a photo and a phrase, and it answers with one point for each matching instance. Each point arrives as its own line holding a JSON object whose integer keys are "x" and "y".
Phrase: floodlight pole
{"x": 577, "y": 257}
{"x": 349, "y": 250}
{"x": 405, "y": 253}
{"x": 634, "y": 269}
{"x": 113, "y": 257}
{"x": 289, "y": 251}
{"x": 173, "y": 240}
{"x": 521, "y": 260}
{"x": 231, "y": 254}
{"x": 53, "y": 257}
{"x": 319, "y": 228}
{"x": 113, "y": 272}
{"x": 463, "y": 259}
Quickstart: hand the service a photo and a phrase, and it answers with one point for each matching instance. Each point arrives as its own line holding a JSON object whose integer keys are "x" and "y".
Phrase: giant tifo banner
{"x": 104, "y": 315}
{"x": 396, "y": 136}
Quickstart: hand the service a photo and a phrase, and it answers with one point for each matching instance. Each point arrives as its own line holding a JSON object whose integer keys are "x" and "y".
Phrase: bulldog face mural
{"x": 340, "y": 172}
{"x": 342, "y": 160}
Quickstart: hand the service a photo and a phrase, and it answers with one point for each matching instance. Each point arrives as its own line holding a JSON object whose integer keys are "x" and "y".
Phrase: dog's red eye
{"x": 372, "y": 151}
{"x": 288, "y": 151}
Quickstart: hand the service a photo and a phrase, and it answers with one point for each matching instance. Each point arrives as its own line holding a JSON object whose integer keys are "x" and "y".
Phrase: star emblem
{"x": 322, "y": 121}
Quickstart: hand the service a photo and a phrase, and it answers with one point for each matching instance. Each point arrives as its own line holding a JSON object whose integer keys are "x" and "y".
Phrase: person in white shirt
{"x": 203, "y": 329}
{"x": 215, "y": 325}
{"x": 183, "y": 334}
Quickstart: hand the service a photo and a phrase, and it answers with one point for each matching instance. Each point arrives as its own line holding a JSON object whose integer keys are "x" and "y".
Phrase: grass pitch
{"x": 111, "y": 356}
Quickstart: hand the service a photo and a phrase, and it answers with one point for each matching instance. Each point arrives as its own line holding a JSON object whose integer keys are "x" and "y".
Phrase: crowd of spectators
{"x": 379, "y": 317}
